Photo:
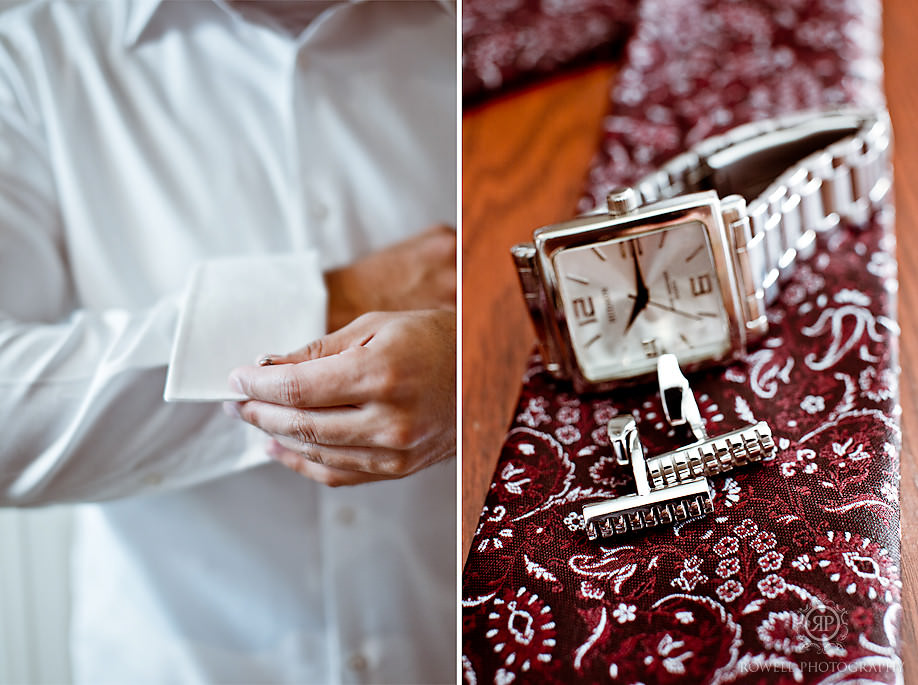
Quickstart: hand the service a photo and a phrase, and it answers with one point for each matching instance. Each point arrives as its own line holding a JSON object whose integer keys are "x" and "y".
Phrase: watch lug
{"x": 524, "y": 257}
{"x": 732, "y": 207}
{"x": 756, "y": 330}
{"x": 752, "y": 296}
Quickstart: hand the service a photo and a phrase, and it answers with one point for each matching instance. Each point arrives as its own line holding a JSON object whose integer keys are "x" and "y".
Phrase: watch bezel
{"x": 703, "y": 207}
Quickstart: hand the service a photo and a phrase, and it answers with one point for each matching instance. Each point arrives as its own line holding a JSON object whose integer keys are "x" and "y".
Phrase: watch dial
{"x": 627, "y": 301}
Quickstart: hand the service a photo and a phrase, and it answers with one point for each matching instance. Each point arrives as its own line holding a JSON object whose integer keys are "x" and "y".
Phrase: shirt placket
{"x": 342, "y": 531}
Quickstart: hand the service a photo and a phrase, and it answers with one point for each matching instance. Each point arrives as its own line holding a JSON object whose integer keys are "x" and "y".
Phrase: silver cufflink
{"x": 673, "y": 486}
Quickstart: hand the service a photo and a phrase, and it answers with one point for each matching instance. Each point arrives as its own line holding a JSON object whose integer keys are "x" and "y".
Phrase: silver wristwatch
{"x": 686, "y": 261}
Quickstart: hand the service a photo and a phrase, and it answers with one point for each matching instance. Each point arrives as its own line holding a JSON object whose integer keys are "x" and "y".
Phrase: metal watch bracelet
{"x": 793, "y": 193}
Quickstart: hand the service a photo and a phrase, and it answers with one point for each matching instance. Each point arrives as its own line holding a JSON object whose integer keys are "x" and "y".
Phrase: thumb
{"x": 358, "y": 332}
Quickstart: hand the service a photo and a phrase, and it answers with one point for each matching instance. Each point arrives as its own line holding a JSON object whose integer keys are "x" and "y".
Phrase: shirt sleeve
{"x": 81, "y": 391}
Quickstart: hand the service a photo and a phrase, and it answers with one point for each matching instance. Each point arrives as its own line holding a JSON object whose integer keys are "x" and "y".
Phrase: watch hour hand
{"x": 643, "y": 296}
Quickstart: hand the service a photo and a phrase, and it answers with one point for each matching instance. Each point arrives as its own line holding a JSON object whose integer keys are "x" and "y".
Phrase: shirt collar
{"x": 140, "y": 13}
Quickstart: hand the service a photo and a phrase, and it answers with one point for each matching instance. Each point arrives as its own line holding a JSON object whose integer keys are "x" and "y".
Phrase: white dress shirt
{"x": 137, "y": 139}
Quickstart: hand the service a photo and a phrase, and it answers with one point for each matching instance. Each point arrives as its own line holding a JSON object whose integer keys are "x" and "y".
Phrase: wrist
{"x": 341, "y": 306}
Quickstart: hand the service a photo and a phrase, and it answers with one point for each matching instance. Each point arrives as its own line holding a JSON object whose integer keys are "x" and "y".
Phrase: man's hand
{"x": 326, "y": 475}
{"x": 375, "y": 399}
{"x": 419, "y": 273}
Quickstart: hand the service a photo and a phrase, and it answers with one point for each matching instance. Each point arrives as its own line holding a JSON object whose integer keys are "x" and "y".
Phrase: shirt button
{"x": 318, "y": 211}
{"x": 357, "y": 662}
{"x": 346, "y": 516}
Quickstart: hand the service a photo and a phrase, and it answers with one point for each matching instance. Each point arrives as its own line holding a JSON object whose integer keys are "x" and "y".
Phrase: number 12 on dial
{"x": 626, "y": 301}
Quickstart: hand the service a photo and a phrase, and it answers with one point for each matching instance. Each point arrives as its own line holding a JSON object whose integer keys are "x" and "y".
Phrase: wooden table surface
{"x": 525, "y": 157}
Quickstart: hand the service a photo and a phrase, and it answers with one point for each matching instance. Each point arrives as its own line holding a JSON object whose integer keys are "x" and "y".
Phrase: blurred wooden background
{"x": 525, "y": 158}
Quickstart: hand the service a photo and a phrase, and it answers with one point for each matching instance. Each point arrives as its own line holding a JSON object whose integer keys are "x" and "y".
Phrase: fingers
{"x": 329, "y": 382}
{"x": 355, "y": 334}
{"x": 327, "y": 372}
{"x": 378, "y": 399}
{"x": 378, "y": 461}
{"x": 327, "y": 475}
{"x": 337, "y": 369}
{"x": 346, "y": 426}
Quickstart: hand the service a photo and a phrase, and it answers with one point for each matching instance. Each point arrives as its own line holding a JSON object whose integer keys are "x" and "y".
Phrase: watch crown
{"x": 621, "y": 200}
{"x": 523, "y": 251}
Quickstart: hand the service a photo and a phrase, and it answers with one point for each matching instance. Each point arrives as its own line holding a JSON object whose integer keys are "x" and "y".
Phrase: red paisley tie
{"x": 814, "y": 534}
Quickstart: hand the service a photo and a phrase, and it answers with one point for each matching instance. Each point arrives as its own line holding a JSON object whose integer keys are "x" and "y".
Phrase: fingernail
{"x": 236, "y": 384}
{"x": 274, "y": 449}
{"x": 232, "y": 409}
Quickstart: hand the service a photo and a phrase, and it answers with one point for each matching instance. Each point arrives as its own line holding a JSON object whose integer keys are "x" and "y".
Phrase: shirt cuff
{"x": 238, "y": 308}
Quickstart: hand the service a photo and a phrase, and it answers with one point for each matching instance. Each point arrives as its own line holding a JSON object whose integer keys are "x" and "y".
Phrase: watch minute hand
{"x": 653, "y": 303}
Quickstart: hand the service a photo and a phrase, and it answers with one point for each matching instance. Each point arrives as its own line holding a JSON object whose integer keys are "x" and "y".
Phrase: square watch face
{"x": 628, "y": 300}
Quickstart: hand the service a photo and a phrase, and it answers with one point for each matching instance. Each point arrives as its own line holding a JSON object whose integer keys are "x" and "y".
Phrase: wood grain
{"x": 524, "y": 163}
{"x": 900, "y": 38}
{"x": 525, "y": 159}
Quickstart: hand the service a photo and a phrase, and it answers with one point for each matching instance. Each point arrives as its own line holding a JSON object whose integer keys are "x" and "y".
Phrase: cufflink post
{"x": 672, "y": 486}
{"x": 679, "y": 404}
